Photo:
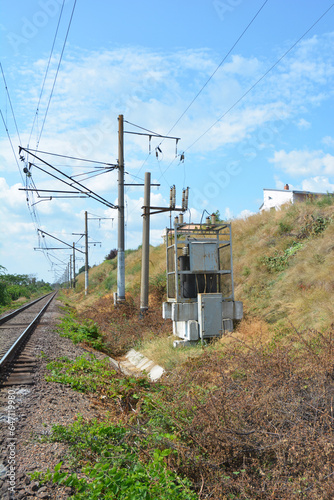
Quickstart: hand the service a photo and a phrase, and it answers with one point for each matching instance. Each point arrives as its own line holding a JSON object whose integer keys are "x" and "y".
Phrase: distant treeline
{"x": 14, "y": 286}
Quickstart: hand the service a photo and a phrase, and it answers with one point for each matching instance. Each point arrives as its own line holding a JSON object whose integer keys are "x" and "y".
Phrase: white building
{"x": 274, "y": 198}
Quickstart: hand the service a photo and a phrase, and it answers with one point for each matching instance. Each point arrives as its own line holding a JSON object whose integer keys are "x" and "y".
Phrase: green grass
{"x": 86, "y": 332}
{"x": 114, "y": 467}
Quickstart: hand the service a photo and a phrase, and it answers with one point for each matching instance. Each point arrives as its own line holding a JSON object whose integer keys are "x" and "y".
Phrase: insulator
{"x": 174, "y": 196}
{"x": 183, "y": 200}
{"x": 186, "y": 199}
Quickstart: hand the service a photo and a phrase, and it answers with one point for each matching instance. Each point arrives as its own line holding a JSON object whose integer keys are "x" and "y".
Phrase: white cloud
{"x": 303, "y": 124}
{"x": 303, "y": 162}
{"x": 92, "y": 87}
{"x": 328, "y": 140}
{"x": 242, "y": 66}
{"x": 244, "y": 214}
{"x": 11, "y": 196}
{"x": 318, "y": 185}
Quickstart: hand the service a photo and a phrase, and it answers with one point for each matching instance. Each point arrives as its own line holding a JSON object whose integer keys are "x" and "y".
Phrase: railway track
{"x": 16, "y": 364}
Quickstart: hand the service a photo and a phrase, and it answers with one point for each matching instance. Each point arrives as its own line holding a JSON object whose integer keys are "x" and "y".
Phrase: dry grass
{"x": 302, "y": 291}
{"x": 251, "y": 414}
{"x": 258, "y": 419}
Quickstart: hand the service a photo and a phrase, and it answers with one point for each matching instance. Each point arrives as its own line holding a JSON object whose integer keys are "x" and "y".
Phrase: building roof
{"x": 296, "y": 191}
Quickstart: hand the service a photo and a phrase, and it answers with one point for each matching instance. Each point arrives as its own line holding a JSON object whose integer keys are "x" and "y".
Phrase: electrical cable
{"x": 11, "y": 145}
{"x": 10, "y": 103}
{"x": 72, "y": 157}
{"x": 254, "y": 85}
{"x": 74, "y": 183}
{"x": 46, "y": 72}
{"x": 262, "y": 77}
{"x": 217, "y": 68}
{"x": 146, "y": 130}
{"x": 56, "y": 75}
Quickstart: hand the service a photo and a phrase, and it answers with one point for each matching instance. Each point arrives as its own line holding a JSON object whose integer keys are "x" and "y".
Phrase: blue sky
{"x": 148, "y": 61}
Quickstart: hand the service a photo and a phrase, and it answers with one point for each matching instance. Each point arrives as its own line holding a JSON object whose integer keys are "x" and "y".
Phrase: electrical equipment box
{"x": 210, "y": 318}
{"x": 200, "y": 289}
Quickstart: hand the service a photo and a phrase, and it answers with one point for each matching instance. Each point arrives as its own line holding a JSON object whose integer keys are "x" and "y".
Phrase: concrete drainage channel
{"x": 136, "y": 363}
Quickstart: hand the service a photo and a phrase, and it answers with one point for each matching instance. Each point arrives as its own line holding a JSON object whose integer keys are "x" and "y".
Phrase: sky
{"x": 246, "y": 86}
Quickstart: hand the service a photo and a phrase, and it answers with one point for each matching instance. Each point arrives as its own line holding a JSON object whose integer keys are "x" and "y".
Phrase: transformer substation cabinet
{"x": 200, "y": 290}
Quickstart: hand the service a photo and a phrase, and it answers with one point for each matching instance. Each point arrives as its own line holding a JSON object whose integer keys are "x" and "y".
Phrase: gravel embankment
{"x": 37, "y": 408}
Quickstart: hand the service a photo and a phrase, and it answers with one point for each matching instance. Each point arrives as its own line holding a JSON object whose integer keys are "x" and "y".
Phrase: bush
{"x": 111, "y": 255}
{"x": 5, "y": 297}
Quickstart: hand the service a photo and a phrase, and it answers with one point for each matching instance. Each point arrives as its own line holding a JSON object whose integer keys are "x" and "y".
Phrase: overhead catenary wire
{"x": 72, "y": 157}
{"x": 46, "y": 72}
{"x": 74, "y": 184}
{"x": 10, "y": 103}
{"x": 261, "y": 78}
{"x": 56, "y": 75}
{"x": 217, "y": 68}
{"x": 254, "y": 85}
{"x": 11, "y": 145}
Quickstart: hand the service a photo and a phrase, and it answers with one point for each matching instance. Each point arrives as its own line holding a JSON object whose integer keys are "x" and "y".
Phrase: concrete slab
{"x": 136, "y": 363}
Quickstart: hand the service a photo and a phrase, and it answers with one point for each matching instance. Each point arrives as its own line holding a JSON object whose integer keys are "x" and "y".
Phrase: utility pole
{"x": 120, "y": 250}
{"x": 74, "y": 265}
{"x": 86, "y": 253}
{"x": 70, "y": 278}
{"x": 146, "y": 245}
{"x": 120, "y": 296}
{"x": 147, "y": 211}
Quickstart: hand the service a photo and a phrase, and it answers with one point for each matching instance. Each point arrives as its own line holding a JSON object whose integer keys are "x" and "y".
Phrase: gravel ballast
{"x": 35, "y": 409}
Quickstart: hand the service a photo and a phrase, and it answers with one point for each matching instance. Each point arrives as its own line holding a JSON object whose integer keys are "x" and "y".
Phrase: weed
{"x": 113, "y": 464}
{"x": 326, "y": 200}
{"x": 158, "y": 285}
{"x": 110, "y": 282}
{"x": 284, "y": 227}
{"x": 280, "y": 260}
{"x": 86, "y": 332}
{"x": 246, "y": 272}
{"x": 314, "y": 225}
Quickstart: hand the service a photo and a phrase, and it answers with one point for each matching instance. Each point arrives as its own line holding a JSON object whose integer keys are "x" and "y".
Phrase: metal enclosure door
{"x": 203, "y": 256}
{"x": 210, "y": 317}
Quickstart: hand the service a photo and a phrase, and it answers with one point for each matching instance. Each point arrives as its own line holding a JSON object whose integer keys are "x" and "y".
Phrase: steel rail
{"x": 11, "y": 315}
{"x": 10, "y": 354}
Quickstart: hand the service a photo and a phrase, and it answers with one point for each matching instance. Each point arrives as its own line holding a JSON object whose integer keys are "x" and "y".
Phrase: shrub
{"x": 111, "y": 255}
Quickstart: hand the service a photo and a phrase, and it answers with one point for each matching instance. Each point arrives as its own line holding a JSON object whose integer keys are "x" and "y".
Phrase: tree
{"x": 217, "y": 214}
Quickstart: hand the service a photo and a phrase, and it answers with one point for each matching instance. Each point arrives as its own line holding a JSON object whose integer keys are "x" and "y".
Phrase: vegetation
{"x": 111, "y": 255}
{"x": 16, "y": 286}
{"x": 80, "y": 332}
{"x": 249, "y": 416}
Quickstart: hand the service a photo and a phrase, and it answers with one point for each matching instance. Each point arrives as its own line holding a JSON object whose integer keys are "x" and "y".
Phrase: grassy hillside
{"x": 249, "y": 416}
{"x": 283, "y": 264}
{"x": 283, "y": 267}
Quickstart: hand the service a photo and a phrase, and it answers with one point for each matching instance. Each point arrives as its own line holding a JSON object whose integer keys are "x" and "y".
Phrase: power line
{"x": 46, "y": 72}
{"x": 57, "y": 71}
{"x": 217, "y": 68}
{"x": 253, "y": 86}
{"x": 11, "y": 145}
{"x": 10, "y": 103}
{"x": 71, "y": 157}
